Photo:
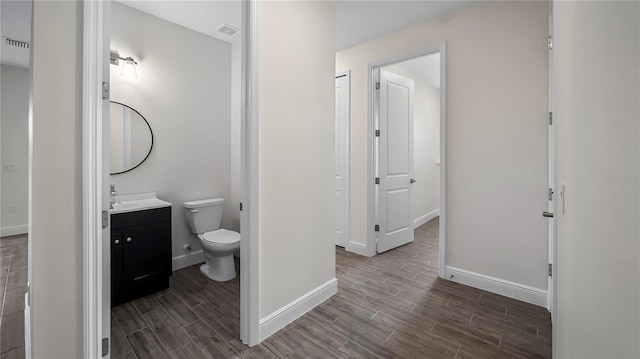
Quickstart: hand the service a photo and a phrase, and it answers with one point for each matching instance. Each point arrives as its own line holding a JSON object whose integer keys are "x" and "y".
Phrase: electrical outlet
{"x": 9, "y": 167}
{"x": 13, "y": 208}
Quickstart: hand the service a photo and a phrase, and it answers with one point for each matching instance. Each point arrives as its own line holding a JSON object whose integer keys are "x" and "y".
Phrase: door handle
{"x": 413, "y": 181}
{"x": 547, "y": 214}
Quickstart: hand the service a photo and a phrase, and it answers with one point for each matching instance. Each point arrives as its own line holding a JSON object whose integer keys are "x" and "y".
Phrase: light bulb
{"x": 129, "y": 69}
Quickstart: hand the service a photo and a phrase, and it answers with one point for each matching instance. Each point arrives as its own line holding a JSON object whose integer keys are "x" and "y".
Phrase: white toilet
{"x": 204, "y": 218}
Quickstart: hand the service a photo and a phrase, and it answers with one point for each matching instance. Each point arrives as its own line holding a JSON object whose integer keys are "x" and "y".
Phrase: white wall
{"x": 597, "y": 98}
{"x": 183, "y": 89}
{"x": 236, "y": 144}
{"x": 297, "y": 84}
{"x": 496, "y": 134}
{"x": 14, "y": 129}
{"x": 426, "y": 142}
{"x": 56, "y": 188}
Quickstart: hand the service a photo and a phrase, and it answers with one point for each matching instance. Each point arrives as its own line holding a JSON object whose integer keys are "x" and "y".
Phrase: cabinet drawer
{"x": 138, "y": 218}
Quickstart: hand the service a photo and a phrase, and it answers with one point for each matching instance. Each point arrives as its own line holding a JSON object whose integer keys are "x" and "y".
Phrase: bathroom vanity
{"x": 140, "y": 247}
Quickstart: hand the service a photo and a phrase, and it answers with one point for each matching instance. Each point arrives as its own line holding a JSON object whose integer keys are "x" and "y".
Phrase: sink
{"x": 137, "y": 202}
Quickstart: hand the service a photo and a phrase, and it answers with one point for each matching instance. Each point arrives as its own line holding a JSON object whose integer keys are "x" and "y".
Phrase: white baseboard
{"x": 509, "y": 289}
{"x": 15, "y": 230}
{"x": 187, "y": 260}
{"x": 426, "y": 218}
{"x": 358, "y": 248}
{"x": 292, "y": 311}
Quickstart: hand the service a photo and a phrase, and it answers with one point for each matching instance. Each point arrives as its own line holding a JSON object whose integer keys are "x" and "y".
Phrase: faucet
{"x": 113, "y": 196}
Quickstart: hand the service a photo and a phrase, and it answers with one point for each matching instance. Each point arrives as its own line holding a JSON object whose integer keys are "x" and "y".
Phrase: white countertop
{"x": 137, "y": 202}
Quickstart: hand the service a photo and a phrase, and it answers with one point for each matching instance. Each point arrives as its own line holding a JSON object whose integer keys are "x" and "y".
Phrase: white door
{"x": 553, "y": 191}
{"x": 395, "y": 161}
{"x": 342, "y": 159}
{"x": 106, "y": 198}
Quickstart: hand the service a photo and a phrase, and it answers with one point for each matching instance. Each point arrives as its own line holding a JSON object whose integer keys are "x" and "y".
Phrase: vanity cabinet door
{"x": 146, "y": 259}
{"x": 116, "y": 268}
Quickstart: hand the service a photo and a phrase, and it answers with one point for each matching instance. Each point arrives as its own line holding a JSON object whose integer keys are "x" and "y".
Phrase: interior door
{"x": 395, "y": 161}
{"x": 552, "y": 173}
{"x": 342, "y": 160}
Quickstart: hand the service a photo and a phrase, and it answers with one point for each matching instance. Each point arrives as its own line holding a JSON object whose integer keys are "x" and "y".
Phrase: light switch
{"x": 13, "y": 208}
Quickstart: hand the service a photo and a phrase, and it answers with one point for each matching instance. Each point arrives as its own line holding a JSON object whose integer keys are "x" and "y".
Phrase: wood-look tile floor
{"x": 392, "y": 305}
{"x": 13, "y": 285}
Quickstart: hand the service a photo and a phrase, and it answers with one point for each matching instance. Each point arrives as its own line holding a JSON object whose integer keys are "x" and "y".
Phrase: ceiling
{"x": 425, "y": 68}
{"x": 201, "y": 16}
{"x": 360, "y": 21}
{"x": 356, "y": 21}
{"x": 16, "y": 25}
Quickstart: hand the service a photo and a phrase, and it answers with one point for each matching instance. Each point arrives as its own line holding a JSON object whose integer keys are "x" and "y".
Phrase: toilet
{"x": 204, "y": 218}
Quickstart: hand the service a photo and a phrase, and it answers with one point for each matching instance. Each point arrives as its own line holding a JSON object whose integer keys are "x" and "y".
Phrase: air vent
{"x": 228, "y": 30}
{"x": 16, "y": 43}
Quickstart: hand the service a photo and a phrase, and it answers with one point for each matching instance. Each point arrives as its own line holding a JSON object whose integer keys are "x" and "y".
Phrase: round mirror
{"x": 131, "y": 138}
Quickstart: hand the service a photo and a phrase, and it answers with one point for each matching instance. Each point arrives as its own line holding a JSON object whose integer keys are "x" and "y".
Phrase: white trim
{"x": 92, "y": 153}
{"x": 509, "y": 289}
{"x": 14, "y": 230}
{"x": 358, "y": 248}
{"x": 294, "y": 310}
{"x": 345, "y": 156}
{"x": 187, "y": 260}
{"x": 427, "y": 50}
{"x": 250, "y": 167}
{"x": 426, "y": 218}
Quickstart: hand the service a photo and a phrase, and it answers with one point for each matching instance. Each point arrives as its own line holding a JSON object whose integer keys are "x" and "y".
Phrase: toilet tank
{"x": 203, "y": 215}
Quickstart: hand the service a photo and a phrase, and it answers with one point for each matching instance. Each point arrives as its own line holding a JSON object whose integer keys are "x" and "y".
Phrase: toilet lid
{"x": 222, "y": 236}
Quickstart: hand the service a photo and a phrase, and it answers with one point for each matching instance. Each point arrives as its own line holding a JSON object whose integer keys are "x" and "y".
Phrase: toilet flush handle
{"x": 194, "y": 211}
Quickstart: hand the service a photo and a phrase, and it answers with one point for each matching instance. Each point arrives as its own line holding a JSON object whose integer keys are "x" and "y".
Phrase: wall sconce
{"x": 128, "y": 67}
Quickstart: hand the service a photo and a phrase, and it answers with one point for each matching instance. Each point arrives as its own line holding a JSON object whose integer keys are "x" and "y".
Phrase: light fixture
{"x": 129, "y": 66}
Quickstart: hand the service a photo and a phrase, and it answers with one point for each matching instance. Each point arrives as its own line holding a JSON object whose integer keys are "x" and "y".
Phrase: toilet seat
{"x": 221, "y": 237}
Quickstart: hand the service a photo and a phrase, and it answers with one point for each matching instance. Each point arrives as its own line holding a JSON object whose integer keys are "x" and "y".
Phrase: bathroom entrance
{"x": 172, "y": 160}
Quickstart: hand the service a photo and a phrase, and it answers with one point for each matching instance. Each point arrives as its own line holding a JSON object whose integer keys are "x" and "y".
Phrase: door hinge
{"x": 240, "y": 206}
{"x": 105, "y": 219}
{"x": 105, "y": 90}
{"x": 550, "y": 118}
{"x": 550, "y": 43}
{"x": 377, "y": 133}
{"x": 105, "y": 346}
{"x": 550, "y": 194}
{"x": 376, "y": 228}
{"x": 377, "y": 180}
{"x": 550, "y": 269}
{"x": 377, "y": 86}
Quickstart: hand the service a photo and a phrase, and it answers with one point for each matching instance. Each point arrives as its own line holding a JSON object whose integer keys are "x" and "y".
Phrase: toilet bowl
{"x": 204, "y": 218}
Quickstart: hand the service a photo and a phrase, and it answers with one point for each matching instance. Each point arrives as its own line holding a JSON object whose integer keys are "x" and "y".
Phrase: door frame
{"x": 94, "y": 29}
{"x": 345, "y": 156}
{"x": 373, "y": 66}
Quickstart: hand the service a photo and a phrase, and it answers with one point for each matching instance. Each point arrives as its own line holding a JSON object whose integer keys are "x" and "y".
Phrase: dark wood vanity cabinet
{"x": 140, "y": 253}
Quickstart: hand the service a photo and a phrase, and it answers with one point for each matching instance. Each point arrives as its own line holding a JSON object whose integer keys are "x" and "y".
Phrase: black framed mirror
{"x": 131, "y": 138}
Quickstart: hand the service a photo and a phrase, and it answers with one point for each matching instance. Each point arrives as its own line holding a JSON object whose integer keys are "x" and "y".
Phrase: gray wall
{"x": 297, "y": 124}
{"x": 184, "y": 90}
{"x": 14, "y": 129}
{"x": 56, "y": 188}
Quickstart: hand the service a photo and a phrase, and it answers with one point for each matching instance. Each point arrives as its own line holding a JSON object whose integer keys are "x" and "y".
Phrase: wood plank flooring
{"x": 13, "y": 286}
{"x": 392, "y": 305}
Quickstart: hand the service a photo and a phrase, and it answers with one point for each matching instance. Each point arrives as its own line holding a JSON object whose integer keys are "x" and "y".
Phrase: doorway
{"x": 407, "y": 150}
{"x": 343, "y": 82}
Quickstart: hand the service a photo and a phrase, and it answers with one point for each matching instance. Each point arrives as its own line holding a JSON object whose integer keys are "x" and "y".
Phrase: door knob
{"x": 117, "y": 241}
{"x": 547, "y": 214}
{"x": 128, "y": 239}
{"x": 413, "y": 181}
